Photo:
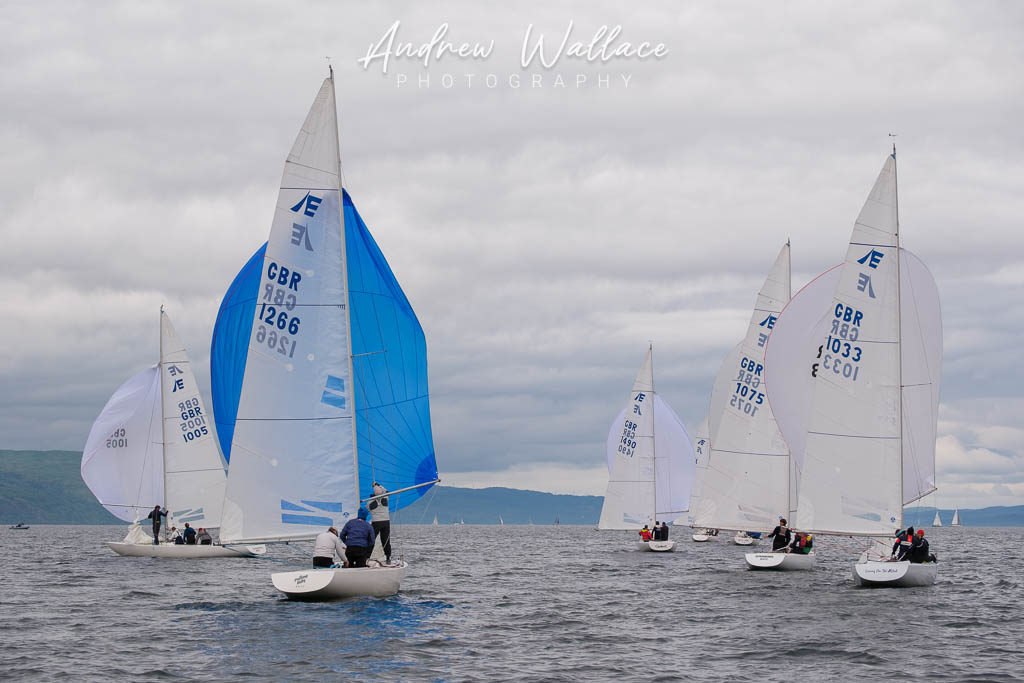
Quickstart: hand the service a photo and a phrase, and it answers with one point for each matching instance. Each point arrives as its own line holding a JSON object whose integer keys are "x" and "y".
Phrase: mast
{"x": 163, "y": 413}
{"x": 899, "y": 331}
{"x": 790, "y": 474}
{"x": 344, "y": 275}
{"x": 654, "y": 451}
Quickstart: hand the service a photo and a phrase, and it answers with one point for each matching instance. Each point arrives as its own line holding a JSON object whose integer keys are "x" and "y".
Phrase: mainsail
{"x": 745, "y": 483}
{"x": 332, "y": 392}
{"x": 873, "y": 408}
{"x": 649, "y": 474}
{"x": 152, "y": 444}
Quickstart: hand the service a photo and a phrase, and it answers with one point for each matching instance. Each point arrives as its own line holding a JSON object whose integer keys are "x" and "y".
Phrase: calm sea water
{"x": 510, "y": 603}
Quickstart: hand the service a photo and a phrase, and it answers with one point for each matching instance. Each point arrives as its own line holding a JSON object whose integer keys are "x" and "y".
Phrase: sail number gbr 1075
{"x": 277, "y": 324}
{"x": 746, "y": 398}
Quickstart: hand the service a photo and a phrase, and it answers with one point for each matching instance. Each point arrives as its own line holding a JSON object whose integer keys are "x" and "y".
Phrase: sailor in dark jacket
{"x": 918, "y": 552}
{"x": 358, "y": 537}
{"x": 780, "y": 535}
{"x": 155, "y": 514}
{"x": 903, "y": 544}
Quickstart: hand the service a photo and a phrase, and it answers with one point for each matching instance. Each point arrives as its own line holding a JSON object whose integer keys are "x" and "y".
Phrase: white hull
{"x": 335, "y": 584}
{"x": 701, "y": 538}
{"x": 743, "y": 539}
{"x": 185, "y": 551}
{"x": 657, "y": 546}
{"x": 780, "y": 561}
{"x": 894, "y": 574}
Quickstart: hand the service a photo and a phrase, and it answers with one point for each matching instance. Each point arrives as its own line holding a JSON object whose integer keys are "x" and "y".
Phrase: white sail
{"x": 293, "y": 459}
{"x": 852, "y": 472}
{"x": 701, "y": 451}
{"x": 746, "y": 483}
{"x": 675, "y": 464}
{"x": 936, "y": 521}
{"x": 629, "y": 501}
{"x": 956, "y": 517}
{"x": 435, "y": 520}
{"x": 122, "y": 463}
{"x": 803, "y": 326}
{"x": 193, "y": 470}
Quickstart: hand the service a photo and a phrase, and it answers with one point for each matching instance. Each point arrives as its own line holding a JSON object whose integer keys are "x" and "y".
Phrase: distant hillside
{"x": 45, "y": 487}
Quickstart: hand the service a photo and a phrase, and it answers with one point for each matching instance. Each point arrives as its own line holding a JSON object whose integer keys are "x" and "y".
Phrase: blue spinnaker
{"x": 393, "y": 434}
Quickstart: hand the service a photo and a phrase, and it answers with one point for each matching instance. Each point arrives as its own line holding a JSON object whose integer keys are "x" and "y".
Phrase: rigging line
{"x": 149, "y": 433}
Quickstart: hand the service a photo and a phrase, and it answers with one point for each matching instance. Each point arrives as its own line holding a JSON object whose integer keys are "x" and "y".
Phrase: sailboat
{"x": 435, "y": 520}
{"x": 501, "y": 522}
{"x": 936, "y": 521}
{"x": 854, "y": 364}
{"x": 956, "y": 518}
{"x": 745, "y": 484}
{"x": 330, "y": 380}
{"x": 556, "y": 521}
{"x": 152, "y": 444}
{"x": 650, "y": 463}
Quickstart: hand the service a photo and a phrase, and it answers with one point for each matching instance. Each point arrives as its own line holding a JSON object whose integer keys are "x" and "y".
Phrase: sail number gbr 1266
{"x": 277, "y": 324}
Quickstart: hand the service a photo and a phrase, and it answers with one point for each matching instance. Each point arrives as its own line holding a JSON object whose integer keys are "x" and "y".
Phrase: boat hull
{"x": 337, "y": 584}
{"x": 780, "y": 561}
{"x": 894, "y": 574}
{"x": 701, "y": 538}
{"x": 185, "y": 551}
{"x": 743, "y": 540}
{"x": 656, "y": 546}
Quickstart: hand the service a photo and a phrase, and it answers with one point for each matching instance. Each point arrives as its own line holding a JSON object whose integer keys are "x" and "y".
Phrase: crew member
{"x": 918, "y": 552}
{"x": 358, "y": 537}
{"x": 204, "y": 537}
{"x": 645, "y": 534}
{"x": 381, "y": 518}
{"x": 190, "y": 535}
{"x": 904, "y": 542}
{"x": 780, "y": 535}
{"x": 325, "y": 548}
{"x": 155, "y": 514}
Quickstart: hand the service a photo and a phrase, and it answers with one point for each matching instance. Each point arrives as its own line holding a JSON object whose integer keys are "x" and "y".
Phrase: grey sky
{"x": 543, "y": 235}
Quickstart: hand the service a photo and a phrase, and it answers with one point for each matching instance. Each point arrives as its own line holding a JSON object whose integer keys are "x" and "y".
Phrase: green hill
{"x": 45, "y": 487}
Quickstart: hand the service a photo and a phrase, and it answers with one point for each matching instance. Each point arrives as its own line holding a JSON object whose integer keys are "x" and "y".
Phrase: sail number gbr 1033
{"x": 277, "y": 326}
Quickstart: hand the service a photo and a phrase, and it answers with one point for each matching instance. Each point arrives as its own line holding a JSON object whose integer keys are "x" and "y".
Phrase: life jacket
{"x": 645, "y": 535}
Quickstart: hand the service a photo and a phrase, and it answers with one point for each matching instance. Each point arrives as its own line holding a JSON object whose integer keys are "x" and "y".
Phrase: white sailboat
{"x": 701, "y": 449}
{"x": 936, "y": 521}
{"x": 746, "y": 482}
{"x": 501, "y": 522}
{"x": 152, "y": 444}
{"x": 313, "y": 426}
{"x": 650, "y": 462}
{"x": 956, "y": 518}
{"x": 435, "y": 520}
{"x": 864, "y": 362}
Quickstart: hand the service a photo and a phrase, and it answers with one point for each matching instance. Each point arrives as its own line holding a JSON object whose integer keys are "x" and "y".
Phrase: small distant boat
{"x": 937, "y": 521}
{"x": 743, "y": 538}
{"x": 20, "y": 525}
{"x": 462, "y": 522}
{"x": 956, "y": 518}
{"x": 435, "y": 520}
{"x": 556, "y": 520}
{"x": 501, "y": 522}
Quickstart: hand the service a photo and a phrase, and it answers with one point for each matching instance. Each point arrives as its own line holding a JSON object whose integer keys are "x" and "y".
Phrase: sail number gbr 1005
{"x": 277, "y": 325}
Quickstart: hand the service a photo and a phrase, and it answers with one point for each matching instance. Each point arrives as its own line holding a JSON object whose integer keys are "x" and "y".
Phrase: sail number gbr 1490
{"x": 277, "y": 325}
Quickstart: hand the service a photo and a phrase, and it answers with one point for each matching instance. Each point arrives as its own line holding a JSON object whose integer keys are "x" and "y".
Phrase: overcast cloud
{"x": 543, "y": 235}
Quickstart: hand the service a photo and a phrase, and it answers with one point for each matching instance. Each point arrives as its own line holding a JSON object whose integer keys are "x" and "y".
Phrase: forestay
{"x": 629, "y": 501}
{"x": 746, "y": 483}
{"x": 293, "y": 456}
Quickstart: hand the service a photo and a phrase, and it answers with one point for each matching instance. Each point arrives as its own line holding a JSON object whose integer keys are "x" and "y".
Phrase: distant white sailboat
{"x": 936, "y": 521}
{"x": 869, "y": 382}
{"x": 435, "y": 520}
{"x": 650, "y": 463}
{"x": 501, "y": 522}
{"x": 152, "y": 444}
{"x": 956, "y": 518}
